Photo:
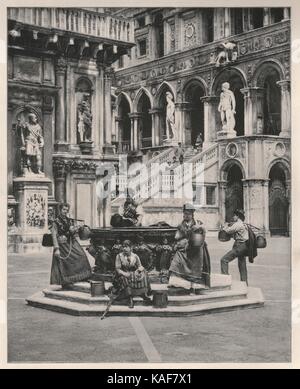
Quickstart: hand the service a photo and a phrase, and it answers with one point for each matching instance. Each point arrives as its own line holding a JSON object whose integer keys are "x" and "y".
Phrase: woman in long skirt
{"x": 190, "y": 264}
{"x": 69, "y": 262}
{"x": 130, "y": 279}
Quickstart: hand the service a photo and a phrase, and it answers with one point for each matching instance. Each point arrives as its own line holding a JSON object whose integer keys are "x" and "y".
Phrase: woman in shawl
{"x": 69, "y": 262}
{"x": 131, "y": 279}
{"x": 191, "y": 263}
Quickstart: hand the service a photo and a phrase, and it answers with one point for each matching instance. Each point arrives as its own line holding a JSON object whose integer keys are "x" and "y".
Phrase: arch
{"x": 197, "y": 80}
{"x": 119, "y": 99}
{"x": 237, "y": 82}
{"x": 278, "y": 199}
{"x": 26, "y": 108}
{"x": 124, "y": 122}
{"x": 138, "y": 96}
{"x": 227, "y": 165}
{"x": 233, "y": 173}
{"x": 164, "y": 87}
{"x": 83, "y": 84}
{"x": 262, "y": 69}
{"x": 284, "y": 165}
{"x": 145, "y": 120}
{"x": 266, "y": 76}
{"x": 193, "y": 90}
{"x": 224, "y": 76}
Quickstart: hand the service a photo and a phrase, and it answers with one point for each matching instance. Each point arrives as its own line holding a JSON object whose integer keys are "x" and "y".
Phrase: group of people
{"x": 190, "y": 264}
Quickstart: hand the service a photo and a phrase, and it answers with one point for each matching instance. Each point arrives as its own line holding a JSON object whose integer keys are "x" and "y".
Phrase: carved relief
{"x": 172, "y": 36}
{"x": 35, "y": 210}
{"x": 189, "y": 34}
{"x": 279, "y": 149}
{"x": 231, "y": 150}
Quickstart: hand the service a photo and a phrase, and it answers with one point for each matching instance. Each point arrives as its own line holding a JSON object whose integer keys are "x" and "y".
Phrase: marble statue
{"x": 85, "y": 119}
{"x": 227, "y": 108}
{"x": 170, "y": 117}
{"x": 32, "y": 142}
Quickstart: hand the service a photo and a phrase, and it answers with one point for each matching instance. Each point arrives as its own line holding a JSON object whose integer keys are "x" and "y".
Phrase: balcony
{"x": 75, "y": 20}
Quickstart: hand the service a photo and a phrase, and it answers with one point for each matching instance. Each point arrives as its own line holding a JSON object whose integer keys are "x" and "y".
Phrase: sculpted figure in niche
{"x": 85, "y": 119}
{"x": 32, "y": 142}
{"x": 227, "y": 107}
{"x": 170, "y": 117}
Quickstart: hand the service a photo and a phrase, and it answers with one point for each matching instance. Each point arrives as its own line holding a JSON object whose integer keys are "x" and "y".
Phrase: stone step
{"x": 239, "y": 291}
{"x": 218, "y": 282}
{"x": 254, "y": 299}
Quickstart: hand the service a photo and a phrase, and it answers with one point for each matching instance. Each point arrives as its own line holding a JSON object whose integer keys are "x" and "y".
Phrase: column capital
{"x": 135, "y": 115}
{"x": 155, "y": 111}
{"x": 284, "y": 85}
{"x": 209, "y": 99}
{"x": 248, "y": 92}
{"x": 183, "y": 106}
{"x": 61, "y": 65}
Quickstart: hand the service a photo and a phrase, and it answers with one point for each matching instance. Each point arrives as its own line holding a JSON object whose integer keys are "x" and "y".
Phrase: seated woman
{"x": 191, "y": 263}
{"x": 69, "y": 262}
{"x": 130, "y": 279}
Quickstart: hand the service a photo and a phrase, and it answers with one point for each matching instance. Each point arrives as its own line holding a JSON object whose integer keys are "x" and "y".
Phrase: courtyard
{"x": 251, "y": 335}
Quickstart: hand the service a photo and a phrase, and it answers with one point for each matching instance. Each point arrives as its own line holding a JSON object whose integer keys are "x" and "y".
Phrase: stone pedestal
{"x": 224, "y": 133}
{"x": 86, "y": 147}
{"x": 32, "y": 213}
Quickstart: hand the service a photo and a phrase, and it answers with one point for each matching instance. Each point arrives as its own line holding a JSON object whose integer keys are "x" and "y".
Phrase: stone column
{"x": 100, "y": 104}
{"x": 155, "y": 126}
{"x": 267, "y": 17}
{"x": 210, "y": 123}
{"x": 288, "y": 196}
{"x": 265, "y": 185}
{"x": 286, "y": 13}
{"x": 257, "y": 196}
{"x": 253, "y": 110}
{"x": 61, "y": 143}
{"x": 285, "y": 108}
{"x": 118, "y": 124}
{"x": 219, "y": 23}
{"x": 183, "y": 132}
{"x": 60, "y": 175}
{"x": 227, "y": 22}
{"x": 134, "y": 117}
{"x": 222, "y": 197}
{"x": 107, "y": 106}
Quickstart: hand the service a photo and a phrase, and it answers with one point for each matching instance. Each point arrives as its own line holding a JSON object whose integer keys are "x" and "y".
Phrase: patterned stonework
{"x": 35, "y": 210}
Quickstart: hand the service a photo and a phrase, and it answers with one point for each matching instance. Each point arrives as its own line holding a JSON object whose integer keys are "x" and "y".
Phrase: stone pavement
{"x": 252, "y": 335}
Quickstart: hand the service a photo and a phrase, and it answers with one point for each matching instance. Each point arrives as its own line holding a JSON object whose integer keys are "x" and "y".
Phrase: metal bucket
{"x": 97, "y": 288}
{"x": 84, "y": 232}
{"x": 160, "y": 299}
{"x": 261, "y": 242}
{"x": 223, "y": 236}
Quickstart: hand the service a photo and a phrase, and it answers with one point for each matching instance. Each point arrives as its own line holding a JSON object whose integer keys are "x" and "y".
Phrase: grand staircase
{"x": 223, "y": 295}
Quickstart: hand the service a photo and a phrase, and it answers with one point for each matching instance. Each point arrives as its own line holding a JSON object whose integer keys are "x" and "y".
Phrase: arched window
{"x": 236, "y": 21}
{"x": 124, "y": 125}
{"x": 145, "y": 122}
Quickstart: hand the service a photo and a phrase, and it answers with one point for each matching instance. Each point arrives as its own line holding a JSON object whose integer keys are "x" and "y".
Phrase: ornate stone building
{"x": 60, "y": 69}
{"x": 97, "y": 79}
{"x": 190, "y": 53}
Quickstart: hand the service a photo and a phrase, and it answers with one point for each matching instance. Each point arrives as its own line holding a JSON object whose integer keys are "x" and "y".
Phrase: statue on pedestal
{"x": 85, "y": 119}
{"x": 227, "y": 108}
{"x": 170, "y": 117}
{"x": 32, "y": 142}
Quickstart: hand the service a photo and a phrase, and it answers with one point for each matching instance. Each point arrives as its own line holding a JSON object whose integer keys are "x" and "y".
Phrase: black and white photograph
{"x": 149, "y": 181}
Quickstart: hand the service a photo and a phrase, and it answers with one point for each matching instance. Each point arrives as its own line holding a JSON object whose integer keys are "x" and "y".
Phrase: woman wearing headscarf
{"x": 69, "y": 262}
{"x": 131, "y": 279}
{"x": 191, "y": 262}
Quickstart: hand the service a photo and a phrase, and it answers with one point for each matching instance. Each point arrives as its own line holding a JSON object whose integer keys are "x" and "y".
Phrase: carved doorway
{"x": 278, "y": 202}
{"x": 234, "y": 192}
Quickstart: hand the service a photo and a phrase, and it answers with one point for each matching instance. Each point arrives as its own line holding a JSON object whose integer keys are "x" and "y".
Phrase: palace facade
{"x": 115, "y": 67}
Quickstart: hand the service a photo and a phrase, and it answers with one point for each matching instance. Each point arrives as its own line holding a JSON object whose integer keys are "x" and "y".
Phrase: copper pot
{"x": 223, "y": 236}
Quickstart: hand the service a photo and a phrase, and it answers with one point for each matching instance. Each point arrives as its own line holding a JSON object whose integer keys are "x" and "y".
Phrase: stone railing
{"x": 76, "y": 20}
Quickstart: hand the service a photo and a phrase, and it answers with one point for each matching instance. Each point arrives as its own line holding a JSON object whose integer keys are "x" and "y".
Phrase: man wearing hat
{"x": 191, "y": 263}
{"x": 239, "y": 230}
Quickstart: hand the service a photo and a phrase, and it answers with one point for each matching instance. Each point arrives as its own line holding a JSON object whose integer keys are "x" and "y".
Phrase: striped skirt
{"x": 137, "y": 284}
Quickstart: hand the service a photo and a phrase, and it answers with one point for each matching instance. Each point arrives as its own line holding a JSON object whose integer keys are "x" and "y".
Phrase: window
{"x": 141, "y": 21}
{"x": 121, "y": 61}
{"x": 142, "y": 47}
{"x": 257, "y": 17}
{"x": 237, "y": 20}
{"x": 210, "y": 195}
{"x": 276, "y": 15}
{"x": 197, "y": 195}
{"x": 159, "y": 35}
{"x": 208, "y": 22}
